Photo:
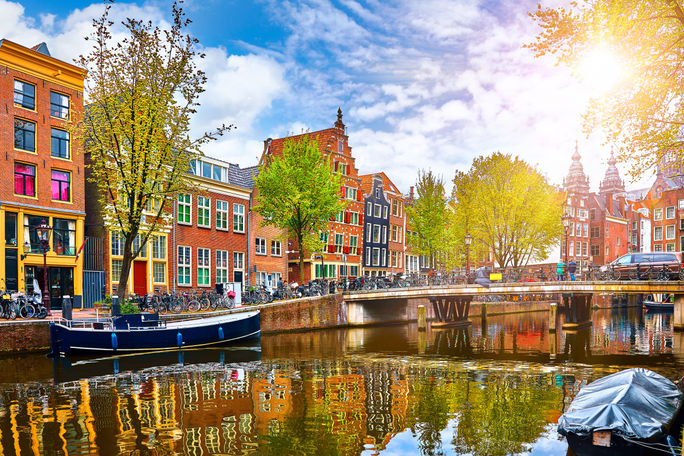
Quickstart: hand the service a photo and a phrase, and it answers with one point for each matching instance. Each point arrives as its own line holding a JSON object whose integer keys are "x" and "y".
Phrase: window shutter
{"x": 346, "y": 217}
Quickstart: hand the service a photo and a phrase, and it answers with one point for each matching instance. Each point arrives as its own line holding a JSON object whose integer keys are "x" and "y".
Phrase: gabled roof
{"x": 388, "y": 185}
{"x": 242, "y": 177}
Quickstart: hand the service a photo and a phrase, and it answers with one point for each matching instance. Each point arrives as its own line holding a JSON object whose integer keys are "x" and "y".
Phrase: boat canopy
{"x": 634, "y": 403}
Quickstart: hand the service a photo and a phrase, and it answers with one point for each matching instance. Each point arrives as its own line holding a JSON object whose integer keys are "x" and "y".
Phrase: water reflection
{"x": 492, "y": 389}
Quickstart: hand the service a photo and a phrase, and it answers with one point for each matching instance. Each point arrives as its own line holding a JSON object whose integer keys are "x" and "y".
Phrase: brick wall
{"x": 24, "y": 337}
{"x": 269, "y": 262}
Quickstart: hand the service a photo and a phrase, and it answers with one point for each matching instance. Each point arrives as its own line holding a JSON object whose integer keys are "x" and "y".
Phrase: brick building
{"x": 383, "y": 228}
{"x": 40, "y": 95}
{"x": 344, "y": 237}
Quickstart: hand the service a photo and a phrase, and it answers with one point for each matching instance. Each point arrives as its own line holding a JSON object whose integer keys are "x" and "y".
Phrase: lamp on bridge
{"x": 565, "y": 218}
{"x": 468, "y": 240}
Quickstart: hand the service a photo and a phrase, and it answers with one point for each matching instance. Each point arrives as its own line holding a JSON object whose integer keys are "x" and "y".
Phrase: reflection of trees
{"x": 430, "y": 413}
{"x": 501, "y": 414}
{"x": 297, "y": 436}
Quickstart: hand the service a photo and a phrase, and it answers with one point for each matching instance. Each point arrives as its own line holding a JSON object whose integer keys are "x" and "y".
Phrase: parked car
{"x": 646, "y": 266}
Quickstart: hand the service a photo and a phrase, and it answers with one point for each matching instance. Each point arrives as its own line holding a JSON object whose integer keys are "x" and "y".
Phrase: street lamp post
{"x": 468, "y": 240}
{"x": 565, "y": 218}
{"x": 43, "y": 230}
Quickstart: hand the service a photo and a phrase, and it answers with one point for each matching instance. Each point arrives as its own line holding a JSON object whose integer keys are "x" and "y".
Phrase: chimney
{"x": 609, "y": 203}
{"x": 411, "y": 193}
{"x": 267, "y": 143}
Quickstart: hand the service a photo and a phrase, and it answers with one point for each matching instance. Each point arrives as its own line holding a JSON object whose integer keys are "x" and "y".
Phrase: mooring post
{"x": 483, "y": 312}
{"x": 678, "y": 323}
{"x": 553, "y": 312}
{"x": 422, "y": 324}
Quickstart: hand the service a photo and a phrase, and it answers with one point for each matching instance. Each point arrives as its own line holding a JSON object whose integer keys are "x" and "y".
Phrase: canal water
{"x": 496, "y": 389}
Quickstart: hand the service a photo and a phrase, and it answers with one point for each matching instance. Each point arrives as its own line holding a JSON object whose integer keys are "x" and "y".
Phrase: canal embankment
{"x": 303, "y": 314}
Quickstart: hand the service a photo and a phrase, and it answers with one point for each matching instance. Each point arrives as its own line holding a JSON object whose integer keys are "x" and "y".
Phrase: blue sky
{"x": 422, "y": 83}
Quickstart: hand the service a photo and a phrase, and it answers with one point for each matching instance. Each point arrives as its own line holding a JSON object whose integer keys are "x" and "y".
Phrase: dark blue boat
{"x": 146, "y": 332}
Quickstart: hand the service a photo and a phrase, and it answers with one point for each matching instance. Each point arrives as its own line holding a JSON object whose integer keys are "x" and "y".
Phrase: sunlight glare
{"x": 601, "y": 70}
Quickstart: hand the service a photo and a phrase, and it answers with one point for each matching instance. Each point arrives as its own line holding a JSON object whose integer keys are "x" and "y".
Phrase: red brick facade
{"x": 267, "y": 251}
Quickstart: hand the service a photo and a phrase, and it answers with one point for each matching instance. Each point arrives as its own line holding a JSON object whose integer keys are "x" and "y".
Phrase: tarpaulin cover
{"x": 635, "y": 403}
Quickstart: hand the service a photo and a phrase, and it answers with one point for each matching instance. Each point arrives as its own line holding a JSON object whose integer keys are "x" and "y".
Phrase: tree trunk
{"x": 126, "y": 264}
{"x": 301, "y": 258}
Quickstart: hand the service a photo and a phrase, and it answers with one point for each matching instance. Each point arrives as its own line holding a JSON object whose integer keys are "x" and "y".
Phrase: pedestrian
{"x": 572, "y": 267}
{"x": 559, "y": 270}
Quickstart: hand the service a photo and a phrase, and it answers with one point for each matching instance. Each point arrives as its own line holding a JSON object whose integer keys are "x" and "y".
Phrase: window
{"x": 158, "y": 272}
{"x": 595, "y": 250}
{"x": 59, "y": 105}
{"x": 261, "y": 278}
{"x": 117, "y": 244}
{"x": 342, "y": 168}
{"x": 350, "y": 193}
{"x": 369, "y": 208}
{"x": 681, "y": 224}
{"x": 584, "y": 248}
{"x": 221, "y": 215}
{"x": 592, "y": 214}
{"x": 658, "y": 233}
{"x": 669, "y": 247}
{"x": 669, "y": 212}
{"x": 60, "y": 185}
{"x": 377, "y": 192}
{"x": 354, "y": 218}
{"x": 376, "y": 233}
{"x": 658, "y": 214}
{"x": 376, "y": 256}
{"x": 595, "y": 231}
{"x": 571, "y": 248}
{"x": 203, "y": 212}
{"x": 681, "y": 244}
{"x": 384, "y": 234}
{"x": 184, "y": 209}
{"x": 669, "y": 232}
{"x": 276, "y": 248}
{"x": 203, "y": 256}
{"x": 184, "y": 265}
{"x": 260, "y": 244}
{"x": 385, "y": 211}
{"x": 353, "y": 245}
{"x": 681, "y": 204}
{"x": 24, "y": 135}
{"x": 24, "y": 179}
{"x": 11, "y": 228}
{"x": 353, "y": 271}
{"x": 339, "y": 217}
{"x": 238, "y": 260}
{"x": 116, "y": 270}
{"x": 658, "y": 248}
{"x": 64, "y": 236}
{"x": 369, "y": 228}
{"x": 368, "y": 256}
{"x": 383, "y": 257}
{"x": 585, "y": 230}
{"x": 24, "y": 94}
{"x": 579, "y": 230}
{"x": 571, "y": 229}
{"x": 239, "y": 218}
{"x": 59, "y": 143}
{"x": 136, "y": 244}
{"x": 159, "y": 247}
{"x": 324, "y": 237}
{"x": 377, "y": 210}
{"x": 339, "y": 242}
{"x": 221, "y": 266}
{"x": 396, "y": 208}
{"x": 339, "y": 146}
{"x": 582, "y": 213}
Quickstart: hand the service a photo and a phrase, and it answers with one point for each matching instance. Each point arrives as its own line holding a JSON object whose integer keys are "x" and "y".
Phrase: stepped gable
{"x": 576, "y": 181}
{"x": 611, "y": 182}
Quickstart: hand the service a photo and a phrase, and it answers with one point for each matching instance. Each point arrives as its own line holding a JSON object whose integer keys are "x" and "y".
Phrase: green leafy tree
{"x": 643, "y": 113}
{"x": 509, "y": 207}
{"x": 299, "y": 192}
{"x": 428, "y": 216}
{"x": 142, "y": 92}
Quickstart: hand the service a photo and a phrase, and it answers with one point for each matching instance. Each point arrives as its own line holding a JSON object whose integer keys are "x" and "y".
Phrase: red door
{"x": 140, "y": 277}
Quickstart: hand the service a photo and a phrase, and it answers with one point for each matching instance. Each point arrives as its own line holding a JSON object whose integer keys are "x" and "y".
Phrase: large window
{"x": 669, "y": 212}
{"x": 11, "y": 229}
{"x": 59, "y": 143}
{"x": 159, "y": 247}
{"x": 339, "y": 241}
{"x": 59, "y": 105}
{"x": 396, "y": 208}
{"x": 670, "y": 232}
{"x": 221, "y": 266}
{"x": 30, "y": 234}
{"x": 185, "y": 209}
{"x": 238, "y": 218}
{"x": 376, "y": 256}
{"x": 353, "y": 244}
{"x": 24, "y": 94}
{"x": 117, "y": 244}
{"x": 238, "y": 260}
{"x": 135, "y": 245}
{"x": 158, "y": 272}
{"x": 276, "y": 248}
{"x": 184, "y": 265}
{"x": 221, "y": 215}
{"x": 260, "y": 246}
{"x": 116, "y": 270}
{"x": 658, "y": 214}
{"x": 376, "y": 233}
{"x": 658, "y": 233}
{"x": 24, "y": 179}
{"x": 24, "y": 135}
{"x": 60, "y": 185}
{"x": 64, "y": 236}
{"x": 203, "y": 257}
{"x": 377, "y": 210}
{"x": 203, "y": 212}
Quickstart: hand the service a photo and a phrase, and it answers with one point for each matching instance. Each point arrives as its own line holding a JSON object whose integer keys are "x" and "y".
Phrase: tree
{"x": 142, "y": 92}
{"x": 299, "y": 192}
{"x": 427, "y": 216}
{"x": 644, "y": 114}
{"x": 508, "y": 206}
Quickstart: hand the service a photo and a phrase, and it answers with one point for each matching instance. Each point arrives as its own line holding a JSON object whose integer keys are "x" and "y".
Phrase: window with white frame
{"x": 658, "y": 233}
{"x": 385, "y": 212}
{"x": 116, "y": 270}
{"x": 377, "y": 210}
{"x": 203, "y": 212}
{"x": 221, "y": 266}
{"x": 260, "y": 244}
{"x": 238, "y": 261}
{"x": 221, "y": 215}
{"x": 383, "y": 257}
{"x": 368, "y": 256}
{"x": 571, "y": 250}
{"x": 669, "y": 247}
{"x": 340, "y": 217}
{"x": 339, "y": 242}
{"x": 117, "y": 244}
{"x": 159, "y": 247}
{"x": 681, "y": 204}
{"x": 369, "y": 228}
{"x": 203, "y": 269}
{"x": 669, "y": 212}
{"x": 669, "y": 232}
{"x": 324, "y": 237}
{"x": 376, "y": 256}
{"x": 354, "y": 218}
{"x": 261, "y": 278}
{"x": 571, "y": 231}
{"x": 658, "y": 248}
{"x": 276, "y": 248}
{"x": 185, "y": 209}
{"x": 658, "y": 214}
{"x": 238, "y": 218}
{"x": 275, "y": 278}
{"x": 353, "y": 244}
{"x": 369, "y": 208}
{"x": 384, "y": 234}
{"x": 184, "y": 265}
{"x": 158, "y": 272}
{"x": 350, "y": 193}
{"x": 585, "y": 230}
{"x": 585, "y": 248}
{"x": 376, "y": 233}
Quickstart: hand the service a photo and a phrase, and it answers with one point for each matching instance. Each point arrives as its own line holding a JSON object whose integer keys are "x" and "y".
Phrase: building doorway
{"x": 140, "y": 278}
{"x": 11, "y": 270}
{"x": 60, "y": 282}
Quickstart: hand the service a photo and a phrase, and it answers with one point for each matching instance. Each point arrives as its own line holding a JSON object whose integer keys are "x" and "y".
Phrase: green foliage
{"x": 142, "y": 92}
{"x": 643, "y": 115}
{"x": 299, "y": 192}
{"x": 508, "y": 207}
{"x": 129, "y": 307}
{"x": 428, "y": 216}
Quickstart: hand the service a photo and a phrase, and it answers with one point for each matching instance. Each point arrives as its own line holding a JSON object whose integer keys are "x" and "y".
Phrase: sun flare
{"x": 601, "y": 70}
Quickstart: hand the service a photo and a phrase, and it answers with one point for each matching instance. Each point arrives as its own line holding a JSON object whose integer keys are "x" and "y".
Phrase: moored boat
{"x": 626, "y": 413}
{"x": 146, "y": 332}
{"x": 659, "y": 302}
